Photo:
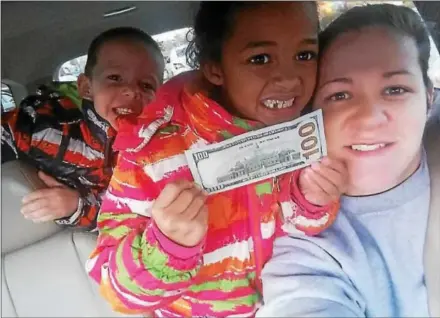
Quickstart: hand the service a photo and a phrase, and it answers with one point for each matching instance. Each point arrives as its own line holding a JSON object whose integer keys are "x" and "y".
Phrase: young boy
{"x": 72, "y": 147}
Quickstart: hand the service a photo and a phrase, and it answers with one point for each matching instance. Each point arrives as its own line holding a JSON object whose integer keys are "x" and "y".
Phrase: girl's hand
{"x": 323, "y": 182}
{"x": 181, "y": 214}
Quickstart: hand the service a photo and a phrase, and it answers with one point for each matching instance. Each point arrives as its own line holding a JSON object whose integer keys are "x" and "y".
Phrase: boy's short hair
{"x": 120, "y": 33}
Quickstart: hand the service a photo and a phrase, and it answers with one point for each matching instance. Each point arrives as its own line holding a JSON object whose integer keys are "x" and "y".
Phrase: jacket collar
{"x": 99, "y": 127}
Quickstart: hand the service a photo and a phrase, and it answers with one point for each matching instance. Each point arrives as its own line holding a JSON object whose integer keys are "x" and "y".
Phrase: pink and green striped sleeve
{"x": 138, "y": 268}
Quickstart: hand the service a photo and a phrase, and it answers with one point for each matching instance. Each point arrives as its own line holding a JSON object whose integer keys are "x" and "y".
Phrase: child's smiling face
{"x": 268, "y": 67}
{"x": 124, "y": 79}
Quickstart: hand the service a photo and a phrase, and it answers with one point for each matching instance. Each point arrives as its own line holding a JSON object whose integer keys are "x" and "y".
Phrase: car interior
{"x": 43, "y": 264}
{"x": 43, "y": 271}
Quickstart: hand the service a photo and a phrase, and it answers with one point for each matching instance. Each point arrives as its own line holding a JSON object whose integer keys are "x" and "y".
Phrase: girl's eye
{"x": 260, "y": 59}
{"x": 114, "y": 77}
{"x": 306, "y": 56}
{"x": 339, "y": 96}
{"x": 395, "y": 90}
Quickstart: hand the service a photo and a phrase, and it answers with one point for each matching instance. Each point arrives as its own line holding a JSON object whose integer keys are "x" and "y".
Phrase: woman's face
{"x": 374, "y": 101}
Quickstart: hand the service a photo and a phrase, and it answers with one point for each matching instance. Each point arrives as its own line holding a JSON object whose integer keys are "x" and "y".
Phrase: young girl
{"x": 196, "y": 255}
{"x": 370, "y": 262}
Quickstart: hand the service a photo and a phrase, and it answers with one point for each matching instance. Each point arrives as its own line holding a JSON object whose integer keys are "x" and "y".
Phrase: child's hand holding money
{"x": 323, "y": 182}
{"x": 181, "y": 214}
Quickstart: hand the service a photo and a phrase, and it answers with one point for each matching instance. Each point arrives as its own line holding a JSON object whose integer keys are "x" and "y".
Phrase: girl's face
{"x": 269, "y": 62}
{"x": 374, "y": 101}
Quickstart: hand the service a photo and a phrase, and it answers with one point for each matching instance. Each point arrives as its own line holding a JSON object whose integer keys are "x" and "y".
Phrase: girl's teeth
{"x": 367, "y": 147}
{"x": 277, "y": 104}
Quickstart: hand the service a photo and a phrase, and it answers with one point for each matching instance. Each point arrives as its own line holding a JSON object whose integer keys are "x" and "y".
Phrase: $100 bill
{"x": 259, "y": 154}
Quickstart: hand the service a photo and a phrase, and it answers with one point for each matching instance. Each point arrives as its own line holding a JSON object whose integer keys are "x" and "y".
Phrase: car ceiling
{"x": 37, "y": 37}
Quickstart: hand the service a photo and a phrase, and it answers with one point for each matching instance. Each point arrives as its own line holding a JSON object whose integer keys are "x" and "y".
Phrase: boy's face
{"x": 124, "y": 79}
{"x": 268, "y": 67}
{"x": 374, "y": 107}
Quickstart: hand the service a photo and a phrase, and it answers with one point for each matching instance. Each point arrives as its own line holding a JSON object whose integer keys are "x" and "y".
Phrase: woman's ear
{"x": 213, "y": 73}
{"x": 84, "y": 87}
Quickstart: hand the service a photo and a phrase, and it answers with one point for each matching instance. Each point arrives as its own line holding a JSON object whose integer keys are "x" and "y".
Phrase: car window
{"x": 330, "y": 10}
{"x": 181, "y": 52}
{"x": 8, "y": 102}
{"x": 70, "y": 70}
{"x": 172, "y": 43}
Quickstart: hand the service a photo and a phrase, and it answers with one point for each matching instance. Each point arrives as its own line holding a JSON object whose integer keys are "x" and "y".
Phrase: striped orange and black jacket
{"x": 74, "y": 145}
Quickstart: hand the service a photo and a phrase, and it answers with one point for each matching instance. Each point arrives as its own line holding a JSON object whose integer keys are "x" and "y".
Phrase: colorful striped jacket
{"x": 138, "y": 268}
{"x": 50, "y": 132}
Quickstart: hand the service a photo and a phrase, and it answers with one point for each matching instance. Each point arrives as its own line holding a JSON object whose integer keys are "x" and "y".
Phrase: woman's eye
{"x": 339, "y": 96}
{"x": 395, "y": 90}
{"x": 260, "y": 59}
{"x": 114, "y": 77}
{"x": 306, "y": 56}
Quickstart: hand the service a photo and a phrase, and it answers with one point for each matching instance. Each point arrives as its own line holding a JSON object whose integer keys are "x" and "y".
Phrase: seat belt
{"x": 432, "y": 240}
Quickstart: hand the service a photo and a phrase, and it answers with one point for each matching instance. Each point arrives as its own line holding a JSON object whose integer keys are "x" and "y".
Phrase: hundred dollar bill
{"x": 259, "y": 154}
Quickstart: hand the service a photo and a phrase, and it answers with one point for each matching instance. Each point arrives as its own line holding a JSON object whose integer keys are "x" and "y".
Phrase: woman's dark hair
{"x": 120, "y": 33}
{"x": 400, "y": 19}
{"x": 213, "y": 24}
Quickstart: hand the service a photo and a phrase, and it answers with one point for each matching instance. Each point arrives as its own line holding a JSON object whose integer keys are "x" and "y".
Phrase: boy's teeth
{"x": 277, "y": 104}
{"x": 367, "y": 147}
{"x": 123, "y": 111}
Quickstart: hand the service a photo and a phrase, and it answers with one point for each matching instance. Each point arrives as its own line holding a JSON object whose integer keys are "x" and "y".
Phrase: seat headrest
{"x": 19, "y": 179}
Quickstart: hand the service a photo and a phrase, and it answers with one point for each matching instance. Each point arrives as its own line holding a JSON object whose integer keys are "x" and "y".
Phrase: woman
{"x": 375, "y": 104}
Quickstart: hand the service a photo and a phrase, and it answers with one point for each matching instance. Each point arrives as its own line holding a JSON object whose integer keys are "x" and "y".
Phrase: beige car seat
{"x": 43, "y": 271}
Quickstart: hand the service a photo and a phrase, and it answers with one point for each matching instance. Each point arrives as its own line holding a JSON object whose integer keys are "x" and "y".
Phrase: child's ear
{"x": 84, "y": 87}
{"x": 213, "y": 73}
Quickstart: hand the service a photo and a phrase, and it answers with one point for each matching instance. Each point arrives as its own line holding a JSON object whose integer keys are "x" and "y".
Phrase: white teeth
{"x": 367, "y": 147}
{"x": 123, "y": 111}
{"x": 277, "y": 104}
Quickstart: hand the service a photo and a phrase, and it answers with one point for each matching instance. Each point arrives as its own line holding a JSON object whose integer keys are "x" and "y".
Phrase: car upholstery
{"x": 43, "y": 265}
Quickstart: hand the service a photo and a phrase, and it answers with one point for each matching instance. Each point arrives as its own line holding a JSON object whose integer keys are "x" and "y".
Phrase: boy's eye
{"x": 339, "y": 96}
{"x": 395, "y": 90}
{"x": 306, "y": 56}
{"x": 114, "y": 77}
{"x": 260, "y": 59}
{"x": 147, "y": 87}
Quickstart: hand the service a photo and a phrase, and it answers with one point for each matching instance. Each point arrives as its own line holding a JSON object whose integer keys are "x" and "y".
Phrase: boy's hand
{"x": 323, "y": 182}
{"x": 181, "y": 214}
{"x": 55, "y": 202}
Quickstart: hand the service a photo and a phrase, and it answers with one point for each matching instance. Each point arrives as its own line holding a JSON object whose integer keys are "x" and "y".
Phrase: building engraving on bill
{"x": 260, "y": 163}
